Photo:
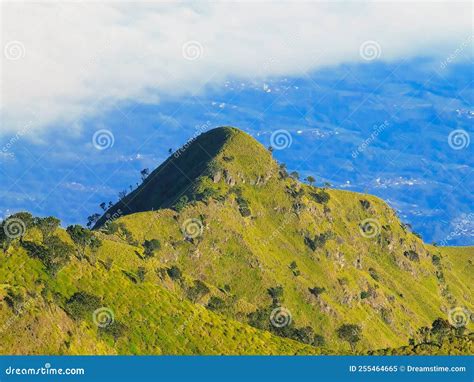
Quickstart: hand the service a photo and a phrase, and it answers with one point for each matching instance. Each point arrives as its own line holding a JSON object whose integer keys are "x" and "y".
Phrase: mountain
{"x": 221, "y": 251}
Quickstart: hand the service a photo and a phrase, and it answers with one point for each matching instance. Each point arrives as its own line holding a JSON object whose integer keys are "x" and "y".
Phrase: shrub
{"x": 150, "y": 246}
{"x": 174, "y": 273}
{"x": 181, "y": 203}
{"x": 244, "y": 207}
{"x": 364, "y": 294}
{"x": 373, "y": 273}
{"x": 304, "y": 335}
{"x": 350, "y": 333}
{"x": 412, "y": 255}
{"x": 47, "y": 226}
{"x": 260, "y": 319}
{"x": 54, "y": 254}
{"x": 208, "y": 193}
{"x": 318, "y": 340}
{"x": 316, "y": 291}
{"x": 436, "y": 260}
{"x": 83, "y": 238}
{"x": 318, "y": 241}
{"x": 108, "y": 263}
{"x": 82, "y": 305}
{"x": 365, "y": 204}
{"x": 295, "y": 175}
{"x": 216, "y": 303}
{"x": 386, "y": 315}
{"x": 321, "y": 196}
{"x": 276, "y": 293}
{"x": 294, "y": 268}
{"x": 196, "y": 292}
{"x": 115, "y": 330}
{"x": 141, "y": 273}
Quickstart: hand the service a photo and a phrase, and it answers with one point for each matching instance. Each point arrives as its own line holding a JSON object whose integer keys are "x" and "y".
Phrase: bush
{"x": 208, "y": 193}
{"x": 318, "y": 340}
{"x": 196, "y": 292}
{"x": 115, "y": 330}
{"x": 244, "y": 207}
{"x": 316, "y": 291}
{"x": 321, "y": 197}
{"x": 216, "y": 303}
{"x": 260, "y": 319}
{"x": 294, "y": 268}
{"x": 83, "y": 238}
{"x": 82, "y": 305}
{"x": 319, "y": 240}
{"x": 174, "y": 273}
{"x": 373, "y": 273}
{"x": 141, "y": 273}
{"x": 436, "y": 260}
{"x": 54, "y": 254}
{"x": 365, "y": 204}
{"x": 181, "y": 203}
{"x": 150, "y": 246}
{"x": 364, "y": 294}
{"x": 47, "y": 226}
{"x": 121, "y": 230}
{"x": 350, "y": 333}
{"x": 412, "y": 255}
{"x": 276, "y": 293}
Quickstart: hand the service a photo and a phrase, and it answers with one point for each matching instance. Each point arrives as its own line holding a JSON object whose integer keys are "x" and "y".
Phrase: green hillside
{"x": 221, "y": 251}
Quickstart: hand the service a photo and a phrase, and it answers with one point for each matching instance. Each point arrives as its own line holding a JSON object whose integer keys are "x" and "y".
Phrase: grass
{"x": 238, "y": 256}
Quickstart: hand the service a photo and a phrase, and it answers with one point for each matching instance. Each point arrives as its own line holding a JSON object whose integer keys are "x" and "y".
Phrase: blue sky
{"x": 370, "y": 108}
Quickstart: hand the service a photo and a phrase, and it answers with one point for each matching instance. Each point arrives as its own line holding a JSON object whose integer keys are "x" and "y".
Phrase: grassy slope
{"x": 250, "y": 255}
{"x": 158, "y": 321}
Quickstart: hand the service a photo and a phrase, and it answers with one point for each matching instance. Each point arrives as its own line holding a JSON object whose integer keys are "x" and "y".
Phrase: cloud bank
{"x": 63, "y": 62}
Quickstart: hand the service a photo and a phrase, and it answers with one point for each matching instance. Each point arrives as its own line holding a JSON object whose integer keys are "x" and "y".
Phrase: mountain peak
{"x": 221, "y": 154}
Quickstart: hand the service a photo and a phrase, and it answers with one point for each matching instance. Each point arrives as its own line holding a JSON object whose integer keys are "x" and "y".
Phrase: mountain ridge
{"x": 249, "y": 249}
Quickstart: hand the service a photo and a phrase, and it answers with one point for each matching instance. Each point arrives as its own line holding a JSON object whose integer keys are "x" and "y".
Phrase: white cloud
{"x": 64, "y": 61}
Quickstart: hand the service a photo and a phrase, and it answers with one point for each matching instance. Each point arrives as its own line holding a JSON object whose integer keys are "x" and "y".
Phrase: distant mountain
{"x": 221, "y": 251}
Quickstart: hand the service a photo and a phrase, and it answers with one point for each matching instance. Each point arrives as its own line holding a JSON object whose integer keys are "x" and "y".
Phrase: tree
{"x": 310, "y": 180}
{"x": 47, "y": 226}
{"x": 282, "y": 171}
{"x": 150, "y": 246}
{"x": 181, "y": 203}
{"x": 95, "y": 243}
{"x": 80, "y": 236}
{"x": 122, "y": 194}
{"x": 295, "y": 175}
{"x": 5, "y": 240}
{"x": 54, "y": 253}
{"x": 92, "y": 219}
{"x": 350, "y": 333}
{"x": 144, "y": 173}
